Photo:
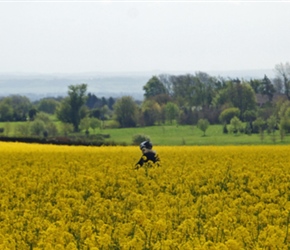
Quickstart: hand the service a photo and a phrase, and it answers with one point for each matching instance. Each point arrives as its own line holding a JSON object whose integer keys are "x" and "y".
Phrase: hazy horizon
{"x": 37, "y": 86}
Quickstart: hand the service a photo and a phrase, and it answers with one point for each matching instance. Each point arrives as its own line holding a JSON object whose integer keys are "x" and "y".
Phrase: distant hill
{"x": 36, "y": 86}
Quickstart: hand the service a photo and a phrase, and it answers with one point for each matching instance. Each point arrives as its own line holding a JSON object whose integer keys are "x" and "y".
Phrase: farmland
{"x": 202, "y": 197}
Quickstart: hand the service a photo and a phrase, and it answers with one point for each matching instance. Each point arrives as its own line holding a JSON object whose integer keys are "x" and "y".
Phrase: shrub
{"x": 37, "y": 127}
{"x": 23, "y": 129}
{"x": 138, "y": 138}
{"x": 235, "y": 125}
{"x": 225, "y": 129}
{"x": 228, "y": 114}
{"x": 203, "y": 124}
{"x": 112, "y": 124}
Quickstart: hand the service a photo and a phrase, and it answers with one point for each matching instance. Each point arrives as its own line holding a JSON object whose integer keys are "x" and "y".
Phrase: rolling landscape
{"x": 36, "y": 86}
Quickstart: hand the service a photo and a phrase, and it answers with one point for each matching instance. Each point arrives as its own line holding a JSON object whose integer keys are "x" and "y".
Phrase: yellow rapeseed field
{"x": 65, "y": 197}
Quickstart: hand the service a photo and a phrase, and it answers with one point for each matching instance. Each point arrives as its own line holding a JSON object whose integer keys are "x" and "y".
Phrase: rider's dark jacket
{"x": 148, "y": 156}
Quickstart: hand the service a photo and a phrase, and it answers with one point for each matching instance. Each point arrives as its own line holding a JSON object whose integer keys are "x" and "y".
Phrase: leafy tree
{"x": 183, "y": 89}
{"x": 37, "y": 127}
{"x": 203, "y": 125}
{"x": 94, "y": 123}
{"x": 194, "y": 90}
{"x": 235, "y": 125}
{"x": 111, "y": 102}
{"x": 85, "y": 124}
{"x": 43, "y": 117}
{"x": 32, "y": 113}
{"x": 261, "y": 125}
{"x": 154, "y": 87}
{"x": 18, "y": 105}
{"x": 23, "y": 129}
{"x": 151, "y": 112}
{"x": 48, "y": 105}
{"x": 228, "y": 114}
{"x": 167, "y": 83}
{"x": 66, "y": 128}
{"x": 238, "y": 94}
{"x": 267, "y": 88}
{"x": 42, "y": 125}
{"x": 256, "y": 85}
{"x": 171, "y": 111}
{"x": 125, "y": 110}
{"x": 250, "y": 115}
{"x": 51, "y": 129}
{"x": 72, "y": 108}
{"x": 272, "y": 124}
{"x": 105, "y": 113}
{"x": 284, "y": 117}
{"x": 205, "y": 89}
{"x": 6, "y": 112}
{"x": 282, "y": 109}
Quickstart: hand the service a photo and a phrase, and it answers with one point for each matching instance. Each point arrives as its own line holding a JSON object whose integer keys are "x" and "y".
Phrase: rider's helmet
{"x": 146, "y": 144}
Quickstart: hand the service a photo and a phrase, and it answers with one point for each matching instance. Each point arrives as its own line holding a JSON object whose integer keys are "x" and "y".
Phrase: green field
{"x": 180, "y": 135}
{"x": 191, "y": 135}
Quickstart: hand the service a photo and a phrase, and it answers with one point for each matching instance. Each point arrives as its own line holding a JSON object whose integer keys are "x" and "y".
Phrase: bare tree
{"x": 283, "y": 73}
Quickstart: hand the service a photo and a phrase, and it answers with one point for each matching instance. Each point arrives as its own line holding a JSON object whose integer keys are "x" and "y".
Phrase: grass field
{"x": 191, "y": 135}
{"x": 181, "y": 135}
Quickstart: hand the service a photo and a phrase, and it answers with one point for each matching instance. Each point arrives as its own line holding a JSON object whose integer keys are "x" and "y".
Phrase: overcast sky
{"x": 111, "y": 36}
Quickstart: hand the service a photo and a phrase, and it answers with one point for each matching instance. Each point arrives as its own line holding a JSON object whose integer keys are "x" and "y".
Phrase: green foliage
{"x": 194, "y": 90}
{"x": 283, "y": 108}
{"x": 85, "y": 123}
{"x": 113, "y": 124}
{"x": 235, "y": 125}
{"x": 48, "y": 105}
{"x": 171, "y": 111}
{"x": 285, "y": 124}
{"x": 249, "y": 115}
{"x": 126, "y": 112}
{"x": 228, "y": 114}
{"x": 23, "y": 129}
{"x": 14, "y": 108}
{"x": 94, "y": 123}
{"x": 43, "y": 117}
{"x": 150, "y": 112}
{"x": 32, "y": 113}
{"x": 259, "y": 124}
{"x": 203, "y": 125}
{"x": 272, "y": 123}
{"x": 72, "y": 109}
{"x": 51, "y": 129}
{"x": 66, "y": 128}
{"x": 239, "y": 94}
{"x": 267, "y": 88}
{"x": 63, "y": 111}
{"x": 138, "y": 138}
{"x": 37, "y": 127}
{"x": 154, "y": 87}
{"x": 6, "y": 112}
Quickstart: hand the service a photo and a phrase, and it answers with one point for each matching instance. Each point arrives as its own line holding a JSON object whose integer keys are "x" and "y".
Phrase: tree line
{"x": 197, "y": 99}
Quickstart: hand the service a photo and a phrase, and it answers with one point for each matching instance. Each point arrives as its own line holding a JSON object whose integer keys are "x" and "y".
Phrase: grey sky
{"x": 110, "y": 36}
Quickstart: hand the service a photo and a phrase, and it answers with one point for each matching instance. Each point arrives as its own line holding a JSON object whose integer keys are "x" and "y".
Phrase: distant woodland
{"x": 241, "y": 106}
